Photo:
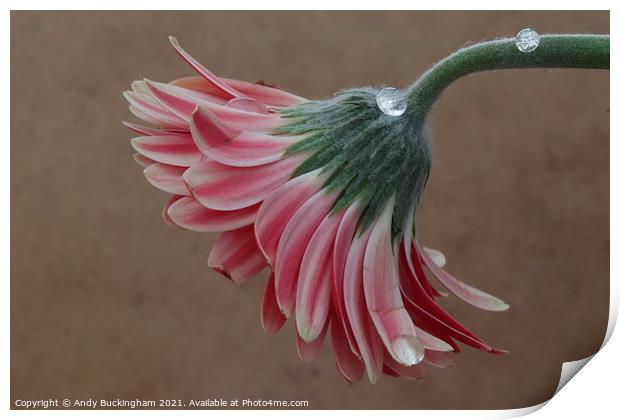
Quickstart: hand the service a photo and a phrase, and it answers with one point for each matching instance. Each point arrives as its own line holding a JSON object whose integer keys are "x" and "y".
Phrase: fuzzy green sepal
{"x": 370, "y": 156}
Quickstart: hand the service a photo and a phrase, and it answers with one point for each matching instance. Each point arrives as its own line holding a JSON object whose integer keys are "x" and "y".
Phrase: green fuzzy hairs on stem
{"x": 554, "y": 51}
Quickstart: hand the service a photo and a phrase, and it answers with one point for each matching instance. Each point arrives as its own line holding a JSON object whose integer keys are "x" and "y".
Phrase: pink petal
{"x": 307, "y": 351}
{"x": 366, "y": 337}
{"x": 264, "y": 94}
{"x": 342, "y": 243}
{"x": 167, "y": 178}
{"x": 349, "y": 365}
{"x": 251, "y": 149}
{"x": 416, "y": 267}
{"x": 427, "y": 311}
{"x": 169, "y": 203}
{"x": 188, "y": 213}
{"x": 383, "y": 298}
{"x": 199, "y": 85}
{"x": 313, "y": 288}
{"x": 232, "y": 147}
{"x": 147, "y": 131}
{"x": 177, "y": 150}
{"x": 144, "y": 117}
{"x": 450, "y": 327}
{"x": 209, "y": 131}
{"x": 182, "y": 103}
{"x": 440, "y": 359}
{"x": 293, "y": 244}
{"x": 220, "y": 86}
{"x": 278, "y": 208}
{"x": 247, "y": 104}
{"x": 177, "y": 100}
{"x": 223, "y": 187}
{"x": 236, "y": 256}
{"x": 272, "y": 319}
{"x": 143, "y": 160}
{"x": 468, "y": 293}
{"x": 407, "y": 242}
{"x": 153, "y": 109}
{"x": 431, "y": 342}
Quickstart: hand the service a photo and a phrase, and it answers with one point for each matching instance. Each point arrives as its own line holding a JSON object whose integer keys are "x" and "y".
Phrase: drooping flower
{"x": 323, "y": 194}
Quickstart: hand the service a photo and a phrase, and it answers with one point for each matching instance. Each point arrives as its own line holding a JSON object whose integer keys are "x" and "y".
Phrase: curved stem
{"x": 554, "y": 51}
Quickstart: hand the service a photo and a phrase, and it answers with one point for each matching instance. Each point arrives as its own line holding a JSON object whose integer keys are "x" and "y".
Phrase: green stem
{"x": 554, "y": 51}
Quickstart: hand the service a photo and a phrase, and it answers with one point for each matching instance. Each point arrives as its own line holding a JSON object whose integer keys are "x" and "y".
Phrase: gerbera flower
{"x": 323, "y": 194}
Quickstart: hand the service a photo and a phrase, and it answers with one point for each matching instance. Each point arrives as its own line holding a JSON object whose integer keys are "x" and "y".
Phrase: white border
{"x": 595, "y": 390}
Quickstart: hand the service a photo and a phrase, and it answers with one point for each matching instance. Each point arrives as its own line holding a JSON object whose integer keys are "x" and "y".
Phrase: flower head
{"x": 321, "y": 193}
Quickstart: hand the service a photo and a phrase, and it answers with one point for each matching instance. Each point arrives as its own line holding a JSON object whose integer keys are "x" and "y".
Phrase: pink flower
{"x": 321, "y": 193}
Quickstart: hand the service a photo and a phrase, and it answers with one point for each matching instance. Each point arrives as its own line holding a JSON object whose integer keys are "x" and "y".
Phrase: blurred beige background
{"x": 107, "y": 301}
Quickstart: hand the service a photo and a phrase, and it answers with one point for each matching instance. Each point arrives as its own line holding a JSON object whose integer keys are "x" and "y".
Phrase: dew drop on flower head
{"x": 322, "y": 194}
{"x": 391, "y": 101}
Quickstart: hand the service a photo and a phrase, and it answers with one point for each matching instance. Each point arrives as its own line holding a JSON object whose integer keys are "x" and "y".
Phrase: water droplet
{"x": 391, "y": 101}
{"x": 527, "y": 40}
{"x": 408, "y": 350}
{"x": 248, "y": 104}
